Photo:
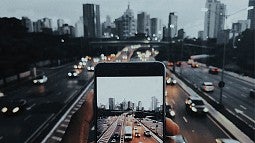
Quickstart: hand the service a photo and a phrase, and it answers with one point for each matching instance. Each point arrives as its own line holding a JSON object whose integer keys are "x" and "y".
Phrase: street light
{"x": 221, "y": 83}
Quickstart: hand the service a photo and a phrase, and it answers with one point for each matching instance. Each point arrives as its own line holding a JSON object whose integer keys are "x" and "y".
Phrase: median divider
{"x": 231, "y": 123}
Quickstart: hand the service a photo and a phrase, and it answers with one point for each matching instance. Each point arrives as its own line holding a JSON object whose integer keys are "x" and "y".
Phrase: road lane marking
{"x": 227, "y": 87}
{"x": 224, "y": 96}
{"x": 29, "y": 108}
{"x": 59, "y": 93}
{"x": 241, "y": 112}
{"x": 27, "y": 117}
{"x": 60, "y": 131}
{"x": 244, "y": 88}
{"x": 173, "y": 102}
{"x": 56, "y": 138}
{"x": 185, "y": 119}
{"x": 64, "y": 125}
{"x": 1, "y": 137}
{"x": 243, "y": 95}
{"x": 243, "y": 107}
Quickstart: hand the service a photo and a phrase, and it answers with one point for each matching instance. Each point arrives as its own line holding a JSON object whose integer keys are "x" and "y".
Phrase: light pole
{"x": 221, "y": 83}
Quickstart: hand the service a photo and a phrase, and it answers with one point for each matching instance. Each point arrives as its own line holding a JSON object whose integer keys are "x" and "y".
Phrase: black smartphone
{"x": 130, "y": 102}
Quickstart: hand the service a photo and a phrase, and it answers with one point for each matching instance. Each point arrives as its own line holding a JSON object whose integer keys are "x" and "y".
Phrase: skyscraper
{"x": 214, "y": 18}
{"x": 79, "y": 31}
{"x": 143, "y": 23}
{"x": 126, "y": 24}
{"x": 251, "y": 14}
{"x": 111, "y": 104}
{"x": 172, "y": 25}
{"x": 154, "y": 103}
{"x": 91, "y": 20}
{"x": 154, "y": 27}
{"x": 60, "y": 23}
{"x": 27, "y": 23}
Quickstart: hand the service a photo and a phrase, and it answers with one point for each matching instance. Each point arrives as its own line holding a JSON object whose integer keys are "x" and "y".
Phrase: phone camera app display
{"x": 130, "y": 109}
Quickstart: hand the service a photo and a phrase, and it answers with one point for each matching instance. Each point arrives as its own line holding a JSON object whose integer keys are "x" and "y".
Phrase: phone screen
{"x": 130, "y": 109}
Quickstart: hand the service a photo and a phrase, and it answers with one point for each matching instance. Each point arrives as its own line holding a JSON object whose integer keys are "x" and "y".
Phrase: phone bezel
{"x": 127, "y": 70}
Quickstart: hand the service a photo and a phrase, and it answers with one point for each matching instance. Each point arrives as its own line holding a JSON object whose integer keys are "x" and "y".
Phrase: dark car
{"x": 147, "y": 133}
{"x": 213, "y": 70}
{"x": 195, "y": 105}
{"x": 171, "y": 81}
{"x": 116, "y": 135}
{"x": 170, "y": 113}
{"x": 72, "y": 73}
{"x": 12, "y": 107}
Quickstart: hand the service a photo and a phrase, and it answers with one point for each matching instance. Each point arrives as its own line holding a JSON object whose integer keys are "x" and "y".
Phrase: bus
{"x": 128, "y": 133}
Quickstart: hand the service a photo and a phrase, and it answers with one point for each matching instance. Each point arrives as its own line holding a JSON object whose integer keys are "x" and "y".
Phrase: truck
{"x": 128, "y": 133}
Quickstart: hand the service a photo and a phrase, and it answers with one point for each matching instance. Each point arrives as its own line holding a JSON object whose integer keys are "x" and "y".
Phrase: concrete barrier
{"x": 11, "y": 78}
{"x": 25, "y": 74}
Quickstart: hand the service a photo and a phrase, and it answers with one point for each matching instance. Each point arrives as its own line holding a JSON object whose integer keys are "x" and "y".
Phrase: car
{"x": 224, "y": 140}
{"x": 213, "y": 70}
{"x": 194, "y": 65}
{"x": 1, "y": 94}
{"x": 152, "y": 128}
{"x": 170, "y": 113}
{"x": 72, "y": 73}
{"x": 90, "y": 68}
{"x": 252, "y": 93}
{"x": 170, "y": 64}
{"x": 137, "y": 134}
{"x": 207, "y": 86}
{"x": 116, "y": 135}
{"x": 113, "y": 141}
{"x": 195, "y": 105}
{"x": 11, "y": 107}
{"x": 138, "y": 124}
{"x": 135, "y": 127}
{"x": 119, "y": 124}
{"x": 178, "y": 139}
{"x": 40, "y": 79}
{"x": 171, "y": 81}
{"x": 147, "y": 133}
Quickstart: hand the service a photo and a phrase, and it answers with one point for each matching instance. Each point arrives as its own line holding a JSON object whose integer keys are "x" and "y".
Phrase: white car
{"x": 1, "y": 94}
{"x": 207, "y": 87}
{"x": 40, "y": 79}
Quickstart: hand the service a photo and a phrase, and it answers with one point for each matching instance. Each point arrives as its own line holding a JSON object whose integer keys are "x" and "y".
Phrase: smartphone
{"x": 130, "y": 102}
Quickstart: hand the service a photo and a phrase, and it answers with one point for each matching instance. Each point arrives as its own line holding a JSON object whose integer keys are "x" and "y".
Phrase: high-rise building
{"x": 143, "y": 23}
{"x": 60, "y": 23}
{"x": 91, "y": 20}
{"x": 214, "y": 18}
{"x": 111, "y": 104}
{"x": 154, "y": 103}
{"x": 200, "y": 34}
{"x": 181, "y": 34}
{"x": 47, "y": 23}
{"x": 126, "y": 24}
{"x": 172, "y": 25}
{"x": 251, "y": 14}
{"x": 27, "y": 23}
{"x": 37, "y": 26}
{"x": 165, "y": 32}
{"x": 154, "y": 27}
{"x": 240, "y": 26}
{"x": 108, "y": 27}
{"x": 79, "y": 31}
{"x": 139, "y": 107}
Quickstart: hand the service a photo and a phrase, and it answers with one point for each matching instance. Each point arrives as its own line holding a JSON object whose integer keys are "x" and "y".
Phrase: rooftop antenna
{"x": 128, "y": 4}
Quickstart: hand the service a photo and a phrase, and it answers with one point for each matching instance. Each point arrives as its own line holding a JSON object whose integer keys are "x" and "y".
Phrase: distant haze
{"x": 189, "y": 12}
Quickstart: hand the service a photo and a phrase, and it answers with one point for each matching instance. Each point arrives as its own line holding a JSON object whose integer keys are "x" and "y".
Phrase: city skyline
{"x": 191, "y": 24}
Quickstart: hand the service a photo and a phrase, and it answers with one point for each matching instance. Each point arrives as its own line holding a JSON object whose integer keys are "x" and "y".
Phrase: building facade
{"x": 79, "y": 31}
{"x": 172, "y": 25}
{"x": 91, "y": 21}
{"x": 143, "y": 23}
{"x": 251, "y": 14}
{"x": 27, "y": 23}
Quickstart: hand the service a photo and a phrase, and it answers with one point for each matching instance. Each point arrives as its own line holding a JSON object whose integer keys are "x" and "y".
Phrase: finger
{"x": 171, "y": 127}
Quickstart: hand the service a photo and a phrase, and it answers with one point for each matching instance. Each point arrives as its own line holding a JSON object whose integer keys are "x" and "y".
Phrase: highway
{"x": 235, "y": 93}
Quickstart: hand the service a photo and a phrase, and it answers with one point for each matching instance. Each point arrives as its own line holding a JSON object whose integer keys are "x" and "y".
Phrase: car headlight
{"x": 88, "y": 68}
{"x": 92, "y": 68}
{"x": 194, "y": 109}
{"x": 205, "y": 109}
{"x": 74, "y": 74}
{"x": 172, "y": 113}
{"x": 75, "y": 66}
{"x": 69, "y": 74}
{"x": 16, "y": 109}
{"x": 174, "y": 81}
{"x": 4, "y": 109}
{"x": 35, "y": 81}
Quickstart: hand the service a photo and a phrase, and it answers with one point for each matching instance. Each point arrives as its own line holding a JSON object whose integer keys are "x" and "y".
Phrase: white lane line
{"x": 173, "y": 102}
{"x": 244, "y": 88}
{"x": 243, "y": 107}
{"x": 227, "y": 87}
{"x": 1, "y": 137}
{"x": 243, "y": 95}
{"x": 60, "y": 131}
{"x": 185, "y": 119}
{"x": 219, "y": 126}
{"x": 224, "y": 96}
{"x": 64, "y": 125}
{"x": 29, "y": 108}
{"x": 27, "y": 117}
{"x": 56, "y": 138}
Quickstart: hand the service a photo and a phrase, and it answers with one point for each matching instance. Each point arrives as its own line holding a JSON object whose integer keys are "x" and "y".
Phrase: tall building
{"x": 154, "y": 103}
{"x": 154, "y": 27}
{"x": 143, "y": 23}
{"x": 37, "y": 26}
{"x": 214, "y": 18}
{"x": 111, "y": 104}
{"x": 240, "y": 26}
{"x": 251, "y": 14}
{"x": 91, "y": 20}
{"x": 27, "y": 23}
{"x": 126, "y": 24}
{"x": 181, "y": 34}
{"x": 172, "y": 25}
{"x": 79, "y": 31}
{"x": 200, "y": 34}
{"x": 139, "y": 107}
{"x": 108, "y": 27}
{"x": 60, "y": 23}
{"x": 47, "y": 23}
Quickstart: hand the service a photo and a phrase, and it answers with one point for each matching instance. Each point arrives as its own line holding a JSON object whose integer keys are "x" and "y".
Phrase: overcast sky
{"x": 131, "y": 89}
{"x": 189, "y": 12}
